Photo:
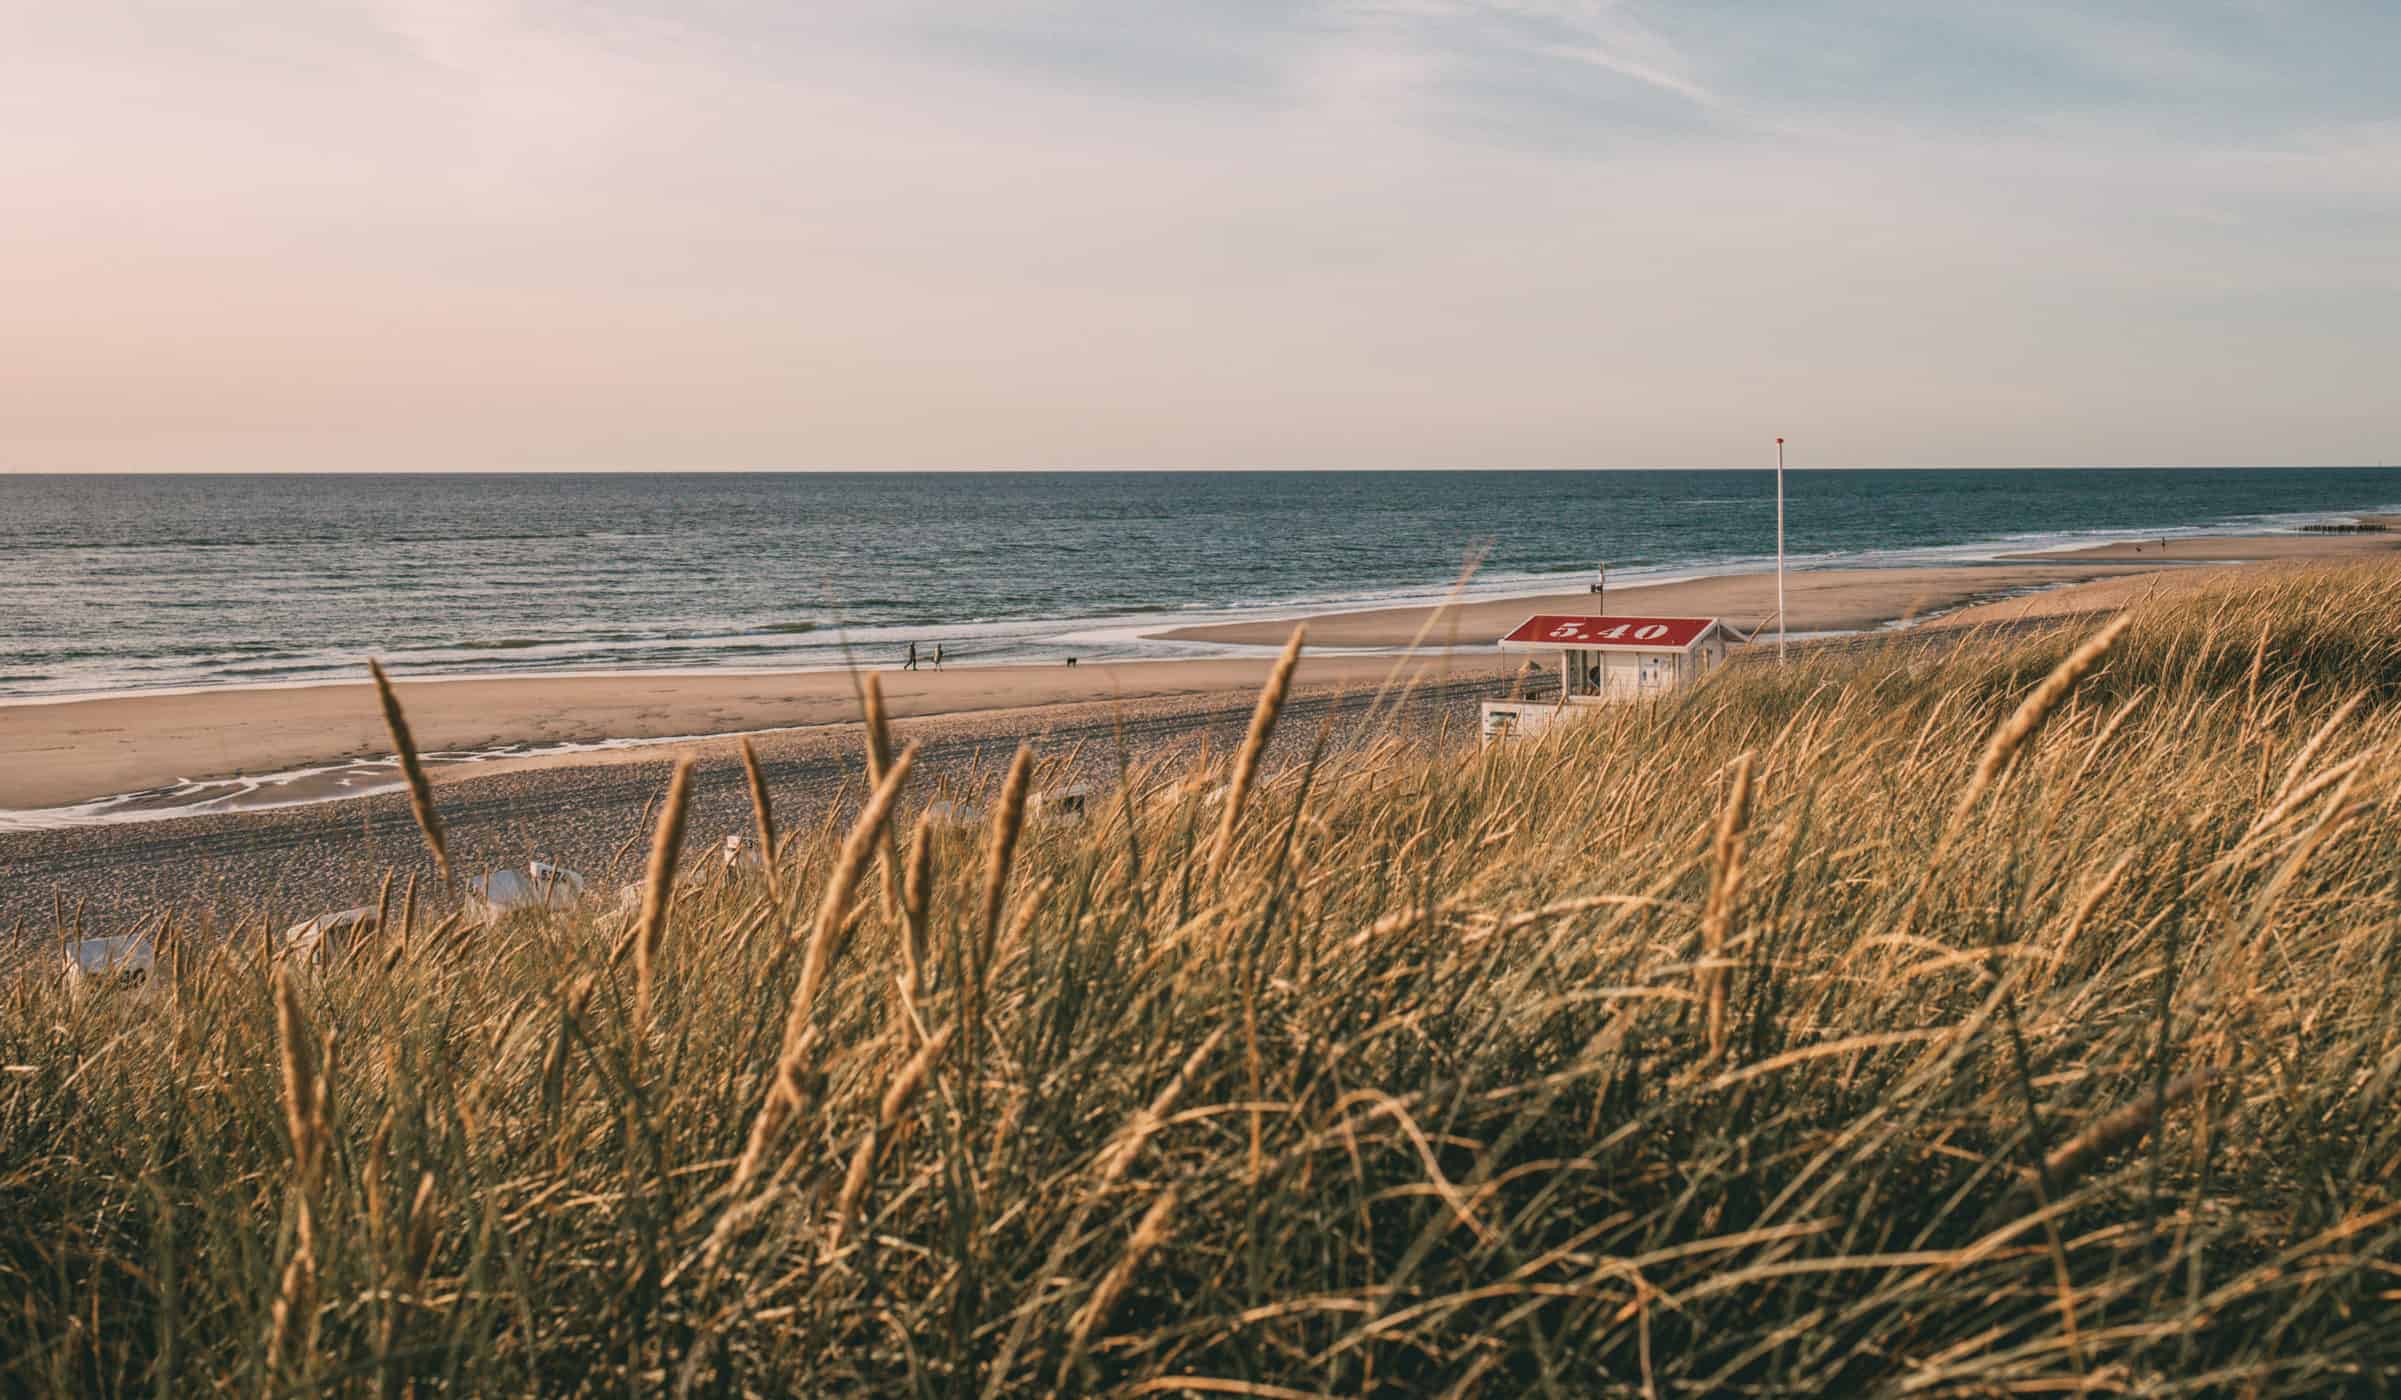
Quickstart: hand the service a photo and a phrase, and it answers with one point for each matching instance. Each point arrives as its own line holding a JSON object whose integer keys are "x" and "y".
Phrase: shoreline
{"x": 835, "y": 642}
{"x": 151, "y": 755}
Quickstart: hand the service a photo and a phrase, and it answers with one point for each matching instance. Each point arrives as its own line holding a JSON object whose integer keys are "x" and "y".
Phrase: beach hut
{"x": 1607, "y": 660}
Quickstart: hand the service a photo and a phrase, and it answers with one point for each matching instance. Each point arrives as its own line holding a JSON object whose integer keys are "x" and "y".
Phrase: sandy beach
{"x": 56, "y": 754}
{"x": 62, "y": 753}
{"x": 1816, "y": 600}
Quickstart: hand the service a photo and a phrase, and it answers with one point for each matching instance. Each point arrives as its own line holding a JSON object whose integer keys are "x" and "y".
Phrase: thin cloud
{"x": 1606, "y": 37}
{"x": 1639, "y": 72}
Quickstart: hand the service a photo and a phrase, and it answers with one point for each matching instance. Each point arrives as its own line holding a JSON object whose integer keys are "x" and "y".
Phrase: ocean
{"x": 114, "y": 583}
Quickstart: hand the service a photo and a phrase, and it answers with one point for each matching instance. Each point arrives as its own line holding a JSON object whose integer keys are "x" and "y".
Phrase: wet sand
{"x": 54, "y": 755}
{"x": 2237, "y": 549}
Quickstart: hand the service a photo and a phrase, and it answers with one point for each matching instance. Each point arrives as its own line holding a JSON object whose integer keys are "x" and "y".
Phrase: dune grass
{"x": 2007, "y": 1017}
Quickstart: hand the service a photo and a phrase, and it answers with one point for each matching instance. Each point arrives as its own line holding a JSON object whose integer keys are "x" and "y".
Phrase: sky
{"x": 725, "y": 234}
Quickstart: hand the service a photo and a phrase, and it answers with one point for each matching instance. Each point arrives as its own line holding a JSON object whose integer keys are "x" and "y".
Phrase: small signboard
{"x": 1552, "y": 632}
{"x": 1516, "y": 719}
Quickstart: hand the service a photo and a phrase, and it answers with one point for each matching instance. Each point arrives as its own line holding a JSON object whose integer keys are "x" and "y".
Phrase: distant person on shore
{"x": 912, "y": 662}
{"x": 937, "y": 656}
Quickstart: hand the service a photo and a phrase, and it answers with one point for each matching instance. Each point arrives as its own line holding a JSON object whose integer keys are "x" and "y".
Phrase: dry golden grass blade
{"x": 833, "y": 909}
{"x": 877, "y": 725}
{"x": 1000, "y": 850}
{"x": 293, "y": 1314}
{"x": 917, "y": 892}
{"x": 1254, "y": 745}
{"x": 2112, "y": 1131}
{"x": 383, "y": 904}
{"x": 421, "y": 796}
{"x": 898, "y": 1095}
{"x": 295, "y": 1307}
{"x": 303, "y": 1115}
{"x": 1725, "y": 891}
{"x": 1119, "y": 1155}
{"x": 2090, "y": 902}
{"x": 2259, "y": 657}
{"x": 1029, "y": 907}
{"x": 2011, "y": 737}
{"x": 762, "y": 811}
{"x": 2317, "y": 740}
{"x": 658, "y": 888}
{"x": 2293, "y": 802}
{"x": 1147, "y": 1236}
{"x": 789, "y": 1091}
{"x": 425, "y": 1224}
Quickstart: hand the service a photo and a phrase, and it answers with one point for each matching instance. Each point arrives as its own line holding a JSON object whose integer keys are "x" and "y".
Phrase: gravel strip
{"x": 284, "y": 865}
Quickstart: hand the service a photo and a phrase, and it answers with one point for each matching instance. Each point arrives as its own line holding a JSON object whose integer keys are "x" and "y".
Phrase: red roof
{"x": 1609, "y": 633}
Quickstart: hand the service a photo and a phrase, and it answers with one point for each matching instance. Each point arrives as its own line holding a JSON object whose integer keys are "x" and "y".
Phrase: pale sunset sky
{"x": 442, "y": 234}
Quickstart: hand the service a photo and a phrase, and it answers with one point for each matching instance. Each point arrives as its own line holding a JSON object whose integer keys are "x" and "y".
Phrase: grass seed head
{"x": 421, "y": 795}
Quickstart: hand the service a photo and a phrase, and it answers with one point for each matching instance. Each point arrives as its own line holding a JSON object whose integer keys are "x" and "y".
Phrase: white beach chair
{"x": 561, "y": 888}
{"x": 310, "y": 939}
{"x": 129, "y": 957}
{"x": 493, "y": 897}
{"x": 490, "y": 897}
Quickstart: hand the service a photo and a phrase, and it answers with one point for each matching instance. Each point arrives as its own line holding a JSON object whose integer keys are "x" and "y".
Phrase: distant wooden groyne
{"x": 2356, "y": 527}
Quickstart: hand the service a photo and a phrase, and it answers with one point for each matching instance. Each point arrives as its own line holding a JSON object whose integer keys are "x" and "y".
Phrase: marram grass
{"x": 1724, "y": 1046}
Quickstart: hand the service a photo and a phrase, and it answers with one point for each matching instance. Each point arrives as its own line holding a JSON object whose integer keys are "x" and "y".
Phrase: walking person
{"x": 937, "y": 656}
{"x": 912, "y": 663}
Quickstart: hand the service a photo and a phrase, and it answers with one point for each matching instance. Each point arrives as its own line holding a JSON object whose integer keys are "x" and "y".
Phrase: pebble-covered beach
{"x": 282, "y": 865}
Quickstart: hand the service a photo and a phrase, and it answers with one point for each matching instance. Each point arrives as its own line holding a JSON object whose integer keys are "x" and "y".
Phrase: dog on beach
{"x": 1071, "y": 661}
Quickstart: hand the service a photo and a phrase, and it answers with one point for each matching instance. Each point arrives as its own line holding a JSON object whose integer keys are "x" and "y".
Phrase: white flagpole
{"x": 1779, "y": 551}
